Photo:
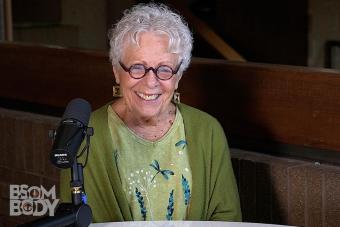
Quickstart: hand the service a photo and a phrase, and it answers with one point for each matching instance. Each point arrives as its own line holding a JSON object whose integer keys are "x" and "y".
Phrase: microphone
{"x": 70, "y": 133}
{"x": 67, "y": 140}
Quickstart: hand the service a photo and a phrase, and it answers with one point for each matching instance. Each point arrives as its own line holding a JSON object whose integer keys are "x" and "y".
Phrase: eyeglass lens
{"x": 162, "y": 72}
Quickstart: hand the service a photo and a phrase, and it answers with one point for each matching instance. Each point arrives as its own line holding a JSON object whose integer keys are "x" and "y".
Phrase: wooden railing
{"x": 275, "y": 103}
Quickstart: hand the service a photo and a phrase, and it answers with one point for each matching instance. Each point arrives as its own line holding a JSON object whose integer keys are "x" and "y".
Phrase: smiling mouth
{"x": 147, "y": 97}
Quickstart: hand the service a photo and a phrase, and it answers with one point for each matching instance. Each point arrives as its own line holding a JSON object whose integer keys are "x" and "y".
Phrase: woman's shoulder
{"x": 99, "y": 116}
{"x": 98, "y": 121}
{"x": 201, "y": 126}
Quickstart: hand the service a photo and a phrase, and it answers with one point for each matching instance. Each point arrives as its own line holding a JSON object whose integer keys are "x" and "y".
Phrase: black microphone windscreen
{"x": 78, "y": 109}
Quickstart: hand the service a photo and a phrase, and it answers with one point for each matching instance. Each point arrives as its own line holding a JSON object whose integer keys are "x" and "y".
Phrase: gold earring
{"x": 176, "y": 98}
{"x": 116, "y": 91}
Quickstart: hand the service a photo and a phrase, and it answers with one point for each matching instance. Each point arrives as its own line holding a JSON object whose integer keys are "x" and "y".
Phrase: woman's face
{"x": 147, "y": 97}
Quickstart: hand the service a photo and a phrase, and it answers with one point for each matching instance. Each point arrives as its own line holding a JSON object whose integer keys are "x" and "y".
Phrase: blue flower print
{"x": 186, "y": 190}
{"x": 140, "y": 200}
{"x": 170, "y": 208}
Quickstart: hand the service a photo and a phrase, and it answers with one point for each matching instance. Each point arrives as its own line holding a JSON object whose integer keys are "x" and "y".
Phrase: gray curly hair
{"x": 152, "y": 17}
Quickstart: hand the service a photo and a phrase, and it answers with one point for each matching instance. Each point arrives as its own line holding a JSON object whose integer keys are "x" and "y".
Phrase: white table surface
{"x": 182, "y": 224}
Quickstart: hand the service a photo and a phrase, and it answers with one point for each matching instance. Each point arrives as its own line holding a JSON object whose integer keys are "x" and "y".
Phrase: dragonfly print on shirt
{"x": 165, "y": 173}
{"x": 181, "y": 143}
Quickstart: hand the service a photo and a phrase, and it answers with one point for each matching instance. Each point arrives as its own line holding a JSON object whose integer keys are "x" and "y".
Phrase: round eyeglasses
{"x": 138, "y": 71}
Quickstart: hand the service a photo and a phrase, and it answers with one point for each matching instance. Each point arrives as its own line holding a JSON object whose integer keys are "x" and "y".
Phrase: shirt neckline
{"x": 114, "y": 116}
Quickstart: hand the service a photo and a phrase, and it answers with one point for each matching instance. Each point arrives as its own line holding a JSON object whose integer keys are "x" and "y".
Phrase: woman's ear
{"x": 115, "y": 73}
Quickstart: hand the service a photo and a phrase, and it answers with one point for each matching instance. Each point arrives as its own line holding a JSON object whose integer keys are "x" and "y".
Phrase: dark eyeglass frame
{"x": 154, "y": 70}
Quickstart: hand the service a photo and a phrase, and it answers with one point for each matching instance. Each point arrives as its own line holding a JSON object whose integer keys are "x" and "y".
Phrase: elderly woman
{"x": 153, "y": 158}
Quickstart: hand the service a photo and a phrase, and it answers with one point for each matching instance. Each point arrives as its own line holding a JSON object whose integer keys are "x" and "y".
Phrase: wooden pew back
{"x": 285, "y": 104}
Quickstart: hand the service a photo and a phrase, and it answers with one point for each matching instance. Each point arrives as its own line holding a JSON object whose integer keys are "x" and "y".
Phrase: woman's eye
{"x": 164, "y": 69}
{"x": 137, "y": 68}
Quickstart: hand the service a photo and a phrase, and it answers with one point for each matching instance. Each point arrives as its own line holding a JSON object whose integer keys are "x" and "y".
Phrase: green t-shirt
{"x": 155, "y": 176}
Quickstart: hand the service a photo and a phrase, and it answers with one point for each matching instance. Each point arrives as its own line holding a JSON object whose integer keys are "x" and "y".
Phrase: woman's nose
{"x": 151, "y": 79}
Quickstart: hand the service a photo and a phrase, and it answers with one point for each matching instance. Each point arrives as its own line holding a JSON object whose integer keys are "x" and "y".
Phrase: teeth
{"x": 147, "y": 97}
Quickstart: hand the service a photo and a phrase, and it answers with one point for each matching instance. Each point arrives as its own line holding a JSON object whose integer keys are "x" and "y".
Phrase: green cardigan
{"x": 214, "y": 191}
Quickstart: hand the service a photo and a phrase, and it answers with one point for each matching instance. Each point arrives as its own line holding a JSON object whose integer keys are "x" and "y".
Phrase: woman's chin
{"x": 150, "y": 111}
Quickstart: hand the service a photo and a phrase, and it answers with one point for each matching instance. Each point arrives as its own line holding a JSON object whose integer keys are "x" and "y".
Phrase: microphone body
{"x": 70, "y": 133}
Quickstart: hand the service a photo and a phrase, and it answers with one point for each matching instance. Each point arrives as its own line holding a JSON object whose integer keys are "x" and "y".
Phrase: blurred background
{"x": 304, "y": 32}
